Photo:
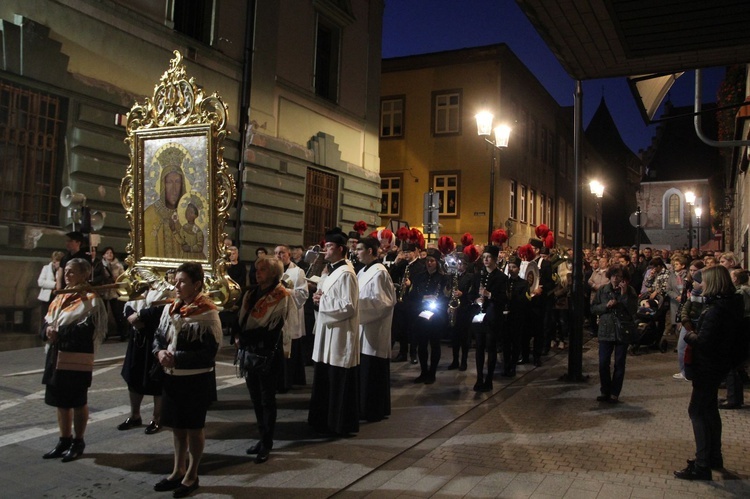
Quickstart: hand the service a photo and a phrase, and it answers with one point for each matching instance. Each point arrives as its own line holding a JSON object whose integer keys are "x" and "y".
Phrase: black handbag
{"x": 256, "y": 361}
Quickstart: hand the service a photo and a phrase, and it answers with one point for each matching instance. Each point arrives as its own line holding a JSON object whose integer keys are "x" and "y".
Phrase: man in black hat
{"x": 334, "y": 404}
{"x": 75, "y": 246}
{"x": 351, "y": 243}
{"x": 516, "y": 313}
{"x": 491, "y": 285}
{"x": 541, "y": 325}
{"x": 407, "y": 266}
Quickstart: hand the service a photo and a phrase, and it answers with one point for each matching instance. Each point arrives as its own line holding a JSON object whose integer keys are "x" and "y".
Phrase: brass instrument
{"x": 402, "y": 286}
{"x": 454, "y": 302}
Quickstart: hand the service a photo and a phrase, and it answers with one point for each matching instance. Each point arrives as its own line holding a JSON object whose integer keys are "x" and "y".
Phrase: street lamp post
{"x": 501, "y": 138}
{"x": 698, "y": 213}
{"x": 597, "y": 189}
{"x": 690, "y": 199}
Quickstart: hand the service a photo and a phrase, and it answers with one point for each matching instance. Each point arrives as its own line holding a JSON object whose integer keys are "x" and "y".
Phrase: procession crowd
{"x": 345, "y": 306}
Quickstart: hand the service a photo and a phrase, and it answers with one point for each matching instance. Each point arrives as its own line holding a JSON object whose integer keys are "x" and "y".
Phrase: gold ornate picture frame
{"x": 177, "y": 190}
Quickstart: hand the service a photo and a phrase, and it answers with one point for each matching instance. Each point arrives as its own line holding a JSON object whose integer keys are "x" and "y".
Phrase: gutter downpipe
{"x": 697, "y": 120}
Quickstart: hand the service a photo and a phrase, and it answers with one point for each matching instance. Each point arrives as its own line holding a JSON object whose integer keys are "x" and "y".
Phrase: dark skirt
{"x": 186, "y": 400}
{"x": 138, "y": 363}
{"x": 375, "y": 388}
{"x": 64, "y": 389}
{"x": 334, "y": 403}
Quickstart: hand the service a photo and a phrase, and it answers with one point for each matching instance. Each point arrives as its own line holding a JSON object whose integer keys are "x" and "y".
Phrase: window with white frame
{"x": 561, "y": 216}
{"x": 673, "y": 208}
{"x": 446, "y": 112}
{"x": 542, "y": 208}
{"x": 513, "y": 189}
{"x": 522, "y": 204}
{"x": 550, "y": 204}
{"x": 445, "y": 185}
{"x": 532, "y": 206}
{"x": 569, "y": 219}
{"x": 390, "y": 196}
{"x": 392, "y": 117}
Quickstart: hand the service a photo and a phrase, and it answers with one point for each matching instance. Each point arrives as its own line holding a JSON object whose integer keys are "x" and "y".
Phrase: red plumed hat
{"x": 549, "y": 241}
{"x": 360, "y": 227}
{"x": 385, "y": 236}
{"x": 417, "y": 238}
{"x": 471, "y": 252}
{"x": 541, "y": 231}
{"x": 402, "y": 234}
{"x": 499, "y": 236}
{"x": 526, "y": 252}
{"x": 467, "y": 239}
{"x": 446, "y": 245}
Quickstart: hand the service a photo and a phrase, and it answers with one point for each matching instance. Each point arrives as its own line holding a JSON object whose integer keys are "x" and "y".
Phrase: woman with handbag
{"x": 714, "y": 351}
{"x": 185, "y": 345}
{"x": 75, "y": 325}
{"x": 263, "y": 344}
{"x": 615, "y": 304}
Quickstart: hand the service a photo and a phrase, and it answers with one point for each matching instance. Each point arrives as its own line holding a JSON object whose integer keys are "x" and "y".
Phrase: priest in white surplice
{"x": 377, "y": 297}
{"x": 294, "y": 280}
{"x": 334, "y": 404}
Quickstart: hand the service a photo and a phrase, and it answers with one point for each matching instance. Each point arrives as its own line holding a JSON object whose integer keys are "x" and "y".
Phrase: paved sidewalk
{"x": 532, "y": 437}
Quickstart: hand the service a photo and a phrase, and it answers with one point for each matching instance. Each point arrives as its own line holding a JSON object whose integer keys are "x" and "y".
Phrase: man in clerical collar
{"x": 376, "y": 300}
{"x": 334, "y": 404}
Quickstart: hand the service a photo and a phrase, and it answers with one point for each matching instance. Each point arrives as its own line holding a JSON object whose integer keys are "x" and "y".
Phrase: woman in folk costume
{"x": 377, "y": 297}
{"x": 185, "y": 345}
{"x": 143, "y": 316}
{"x": 266, "y": 310}
{"x": 75, "y": 325}
{"x": 334, "y": 404}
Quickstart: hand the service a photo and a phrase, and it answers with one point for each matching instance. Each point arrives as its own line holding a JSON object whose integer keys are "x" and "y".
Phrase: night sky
{"x": 421, "y": 26}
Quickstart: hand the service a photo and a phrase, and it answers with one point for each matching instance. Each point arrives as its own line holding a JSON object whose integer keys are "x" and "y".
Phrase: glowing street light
{"x": 501, "y": 139}
{"x": 597, "y": 189}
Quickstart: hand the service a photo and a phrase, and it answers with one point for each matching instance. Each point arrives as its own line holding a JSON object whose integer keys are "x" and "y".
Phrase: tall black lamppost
{"x": 501, "y": 137}
{"x": 698, "y": 213}
{"x": 690, "y": 200}
{"x": 597, "y": 189}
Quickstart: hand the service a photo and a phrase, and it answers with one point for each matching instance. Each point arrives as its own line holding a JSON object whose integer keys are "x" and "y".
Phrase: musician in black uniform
{"x": 400, "y": 331}
{"x": 427, "y": 301}
{"x": 541, "y": 303}
{"x": 517, "y": 309}
{"x": 491, "y": 287}
{"x": 460, "y": 337}
{"x": 351, "y": 244}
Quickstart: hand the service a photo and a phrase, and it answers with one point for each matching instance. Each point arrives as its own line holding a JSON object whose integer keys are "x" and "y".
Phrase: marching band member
{"x": 491, "y": 285}
{"x": 460, "y": 338}
{"x": 428, "y": 305}
{"x": 408, "y": 265}
{"x": 517, "y": 308}
{"x": 377, "y": 298}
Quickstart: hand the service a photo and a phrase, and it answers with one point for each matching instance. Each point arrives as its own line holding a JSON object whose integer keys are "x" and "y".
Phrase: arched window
{"x": 673, "y": 204}
{"x": 673, "y": 217}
